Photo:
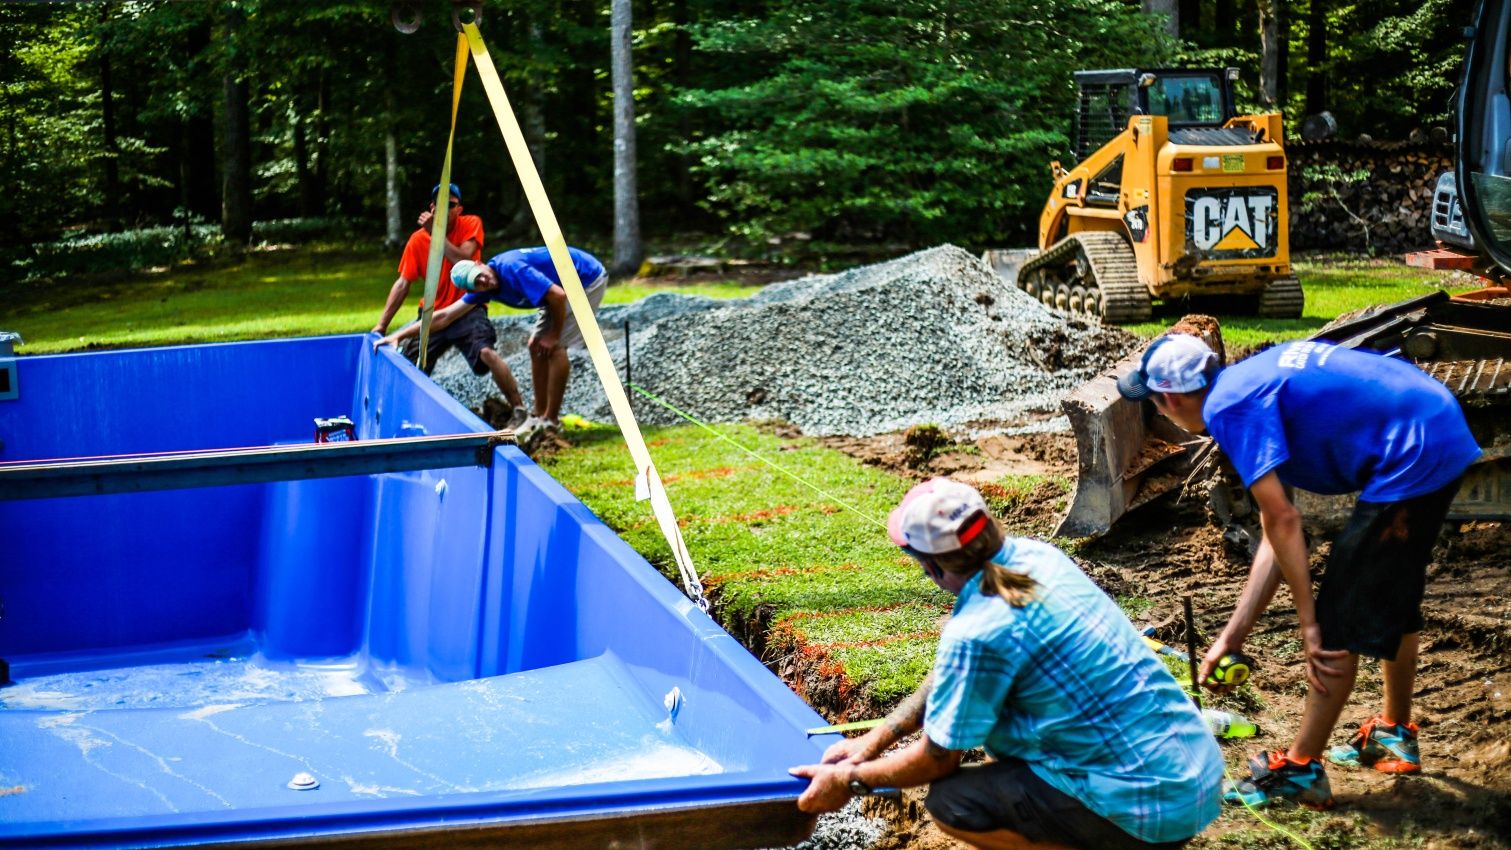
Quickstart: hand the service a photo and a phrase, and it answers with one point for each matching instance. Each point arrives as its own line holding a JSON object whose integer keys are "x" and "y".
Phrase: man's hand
{"x": 828, "y": 792}
{"x": 380, "y": 330}
{"x": 1319, "y": 661}
{"x": 391, "y": 339}
{"x": 425, "y": 219}
{"x": 852, "y": 751}
{"x": 544, "y": 344}
{"x": 1220, "y": 647}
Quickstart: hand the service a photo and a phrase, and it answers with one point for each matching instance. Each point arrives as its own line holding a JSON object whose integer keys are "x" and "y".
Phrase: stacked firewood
{"x": 1360, "y": 195}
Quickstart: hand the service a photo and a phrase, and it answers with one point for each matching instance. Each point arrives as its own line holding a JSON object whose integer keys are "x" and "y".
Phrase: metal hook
{"x": 458, "y": 7}
{"x": 406, "y": 16}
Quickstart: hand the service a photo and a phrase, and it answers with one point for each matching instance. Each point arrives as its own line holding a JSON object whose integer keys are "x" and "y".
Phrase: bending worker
{"x": 1093, "y": 744}
{"x": 472, "y": 335}
{"x": 1329, "y": 420}
{"x": 526, "y": 277}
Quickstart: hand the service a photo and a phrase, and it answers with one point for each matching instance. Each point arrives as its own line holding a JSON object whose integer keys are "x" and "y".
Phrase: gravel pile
{"x": 935, "y": 336}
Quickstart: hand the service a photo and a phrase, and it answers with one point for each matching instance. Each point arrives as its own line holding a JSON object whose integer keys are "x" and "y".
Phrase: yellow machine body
{"x": 1219, "y": 228}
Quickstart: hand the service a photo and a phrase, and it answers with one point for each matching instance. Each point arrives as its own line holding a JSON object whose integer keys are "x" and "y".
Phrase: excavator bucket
{"x": 1126, "y": 453}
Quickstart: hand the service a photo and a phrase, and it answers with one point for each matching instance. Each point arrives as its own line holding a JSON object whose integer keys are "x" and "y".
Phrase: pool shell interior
{"x": 466, "y": 650}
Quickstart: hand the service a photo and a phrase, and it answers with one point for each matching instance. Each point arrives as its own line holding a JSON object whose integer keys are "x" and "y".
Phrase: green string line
{"x": 757, "y": 455}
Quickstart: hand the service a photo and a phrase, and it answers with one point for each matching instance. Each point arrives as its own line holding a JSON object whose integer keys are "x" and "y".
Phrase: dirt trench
{"x": 1163, "y": 551}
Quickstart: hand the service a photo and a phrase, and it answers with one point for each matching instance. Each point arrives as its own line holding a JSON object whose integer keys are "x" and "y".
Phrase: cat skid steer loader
{"x": 1174, "y": 196}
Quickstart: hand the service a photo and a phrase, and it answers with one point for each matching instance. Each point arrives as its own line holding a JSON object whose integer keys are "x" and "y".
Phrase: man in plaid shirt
{"x": 1092, "y": 744}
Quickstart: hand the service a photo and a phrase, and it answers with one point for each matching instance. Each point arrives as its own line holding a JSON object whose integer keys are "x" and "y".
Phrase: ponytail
{"x": 1015, "y": 588}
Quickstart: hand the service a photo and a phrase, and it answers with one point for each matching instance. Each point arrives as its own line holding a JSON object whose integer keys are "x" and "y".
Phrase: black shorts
{"x": 1371, "y": 593}
{"x": 1007, "y": 794}
{"x": 470, "y": 335}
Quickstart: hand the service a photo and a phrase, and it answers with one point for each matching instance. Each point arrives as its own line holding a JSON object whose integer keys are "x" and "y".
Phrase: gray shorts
{"x": 571, "y": 334}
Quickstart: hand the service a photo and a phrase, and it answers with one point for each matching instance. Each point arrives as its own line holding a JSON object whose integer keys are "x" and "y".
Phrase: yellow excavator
{"x": 1174, "y": 195}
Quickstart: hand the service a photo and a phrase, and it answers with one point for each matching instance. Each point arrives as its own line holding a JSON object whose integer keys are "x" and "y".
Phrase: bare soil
{"x": 1168, "y": 549}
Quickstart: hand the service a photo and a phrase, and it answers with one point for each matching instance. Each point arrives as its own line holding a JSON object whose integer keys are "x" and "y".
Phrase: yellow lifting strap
{"x": 442, "y": 206}
{"x": 647, "y": 481}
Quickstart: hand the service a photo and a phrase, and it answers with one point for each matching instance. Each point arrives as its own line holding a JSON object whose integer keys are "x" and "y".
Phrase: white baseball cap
{"x": 937, "y": 517}
{"x": 1175, "y": 363}
{"x": 465, "y": 273}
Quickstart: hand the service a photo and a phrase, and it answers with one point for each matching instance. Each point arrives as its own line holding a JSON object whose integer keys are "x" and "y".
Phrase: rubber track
{"x": 1114, "y": 272}
{"x": 1282, "y": 299}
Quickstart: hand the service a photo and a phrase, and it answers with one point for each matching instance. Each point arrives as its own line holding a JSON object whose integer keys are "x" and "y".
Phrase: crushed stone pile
{"x": 934, "y": 336}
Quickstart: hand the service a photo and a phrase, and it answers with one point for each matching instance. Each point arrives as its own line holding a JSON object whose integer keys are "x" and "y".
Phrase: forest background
{"x": 133, "y": 128}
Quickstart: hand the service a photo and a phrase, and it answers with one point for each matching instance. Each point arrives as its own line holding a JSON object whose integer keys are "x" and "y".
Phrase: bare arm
{"x": 442, "y": 318}
{"x": 396, "y": 295}
{"x": 919, "y": 764}
{"x": 1282, "y": 555}
{"x": 464, "y": 251}
{"x": 901, "y": 722}
{"x": 544, "y": 343}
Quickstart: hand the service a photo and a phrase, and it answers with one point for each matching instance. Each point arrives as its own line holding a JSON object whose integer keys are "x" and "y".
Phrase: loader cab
{"x": 1190, "y": 98}
{"x": 1483, "y": 162}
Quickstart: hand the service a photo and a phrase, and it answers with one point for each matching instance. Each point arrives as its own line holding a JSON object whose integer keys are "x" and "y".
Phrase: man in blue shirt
{"x": 1329, "y": 420}
{"x": 1093, "y": 744}
{"x": 524, "y": 278}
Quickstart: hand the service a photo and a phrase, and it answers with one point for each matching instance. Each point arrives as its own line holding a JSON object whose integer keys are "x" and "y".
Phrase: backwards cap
{"x": 1177, "y": 363}
{"x": 937, "y": 517}
{"x": 465, "y": 274}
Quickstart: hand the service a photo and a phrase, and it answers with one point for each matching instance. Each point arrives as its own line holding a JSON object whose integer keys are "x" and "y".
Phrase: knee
{"x": 952, "y": 811}
{"x": 490, "y": 358}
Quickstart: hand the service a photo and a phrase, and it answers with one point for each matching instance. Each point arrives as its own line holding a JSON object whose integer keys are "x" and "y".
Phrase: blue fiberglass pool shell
{"x": 460, "y": 656}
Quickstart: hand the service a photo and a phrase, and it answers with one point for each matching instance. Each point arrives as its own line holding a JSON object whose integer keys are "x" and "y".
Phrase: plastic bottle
{"x": 1226, "y": 724}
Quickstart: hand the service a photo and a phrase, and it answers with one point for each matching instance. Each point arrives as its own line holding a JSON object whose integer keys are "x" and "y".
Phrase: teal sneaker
{"x": 1273, "y": 777}
{"x": 1386, "y": 747}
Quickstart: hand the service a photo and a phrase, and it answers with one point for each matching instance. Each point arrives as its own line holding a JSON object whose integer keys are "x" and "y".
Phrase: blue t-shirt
{"x": 1067, "y": 685}
{"x": 1335, "y": 420}
{"x": 526, "y": 274}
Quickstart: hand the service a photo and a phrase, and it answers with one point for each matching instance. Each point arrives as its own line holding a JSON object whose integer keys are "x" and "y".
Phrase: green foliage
{"x": 869, "y": 120}
{"x": 127, "y": 250}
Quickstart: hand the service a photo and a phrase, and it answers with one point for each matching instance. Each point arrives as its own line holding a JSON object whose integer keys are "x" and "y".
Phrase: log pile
{"x": 1395, "y": 199}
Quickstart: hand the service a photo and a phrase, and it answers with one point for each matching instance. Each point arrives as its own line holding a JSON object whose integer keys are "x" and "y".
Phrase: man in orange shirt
{"x": 473, "y": 335}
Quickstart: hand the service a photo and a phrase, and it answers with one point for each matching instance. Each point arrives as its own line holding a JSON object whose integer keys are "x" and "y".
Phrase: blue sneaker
{"x": 1386, "y": 747}
{"x": 1273, "y": 777}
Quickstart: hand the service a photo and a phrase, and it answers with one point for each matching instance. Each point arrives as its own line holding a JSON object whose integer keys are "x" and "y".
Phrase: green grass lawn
{"x": 265, "y": 295}
{"x": 1333, "y": 285}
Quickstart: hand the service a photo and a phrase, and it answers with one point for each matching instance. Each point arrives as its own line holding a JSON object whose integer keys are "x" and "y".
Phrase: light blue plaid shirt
{"x": 1066, "y": 684}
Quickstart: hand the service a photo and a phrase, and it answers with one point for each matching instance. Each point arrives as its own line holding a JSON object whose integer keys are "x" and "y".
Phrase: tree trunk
{"x": 1170, "y": 9}
{"x": 628, "y": 250}
{"x": 1190, "y": 17}
{"x": 1316, "y": 57}
{"x": 112, "y": 186}
{"x": 1222, "y": 23}
{"x": 236, "y": 185}
{"x": 533, "y": 126}
{"x": 1283, "y": 84}
{"x": 682, "y": 62}
{"x": 308, "y": 200}
{"x": 393, "y": 231}
{"x": 1269, "y": 49}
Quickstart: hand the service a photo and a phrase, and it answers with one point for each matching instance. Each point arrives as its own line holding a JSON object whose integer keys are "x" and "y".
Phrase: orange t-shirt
{"x": 417, "y": 254}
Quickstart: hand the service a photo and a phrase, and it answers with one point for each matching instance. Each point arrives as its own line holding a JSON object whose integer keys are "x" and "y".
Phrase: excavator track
{"x": 1092, "y": 274}
{"x": 1282, "y": 299}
